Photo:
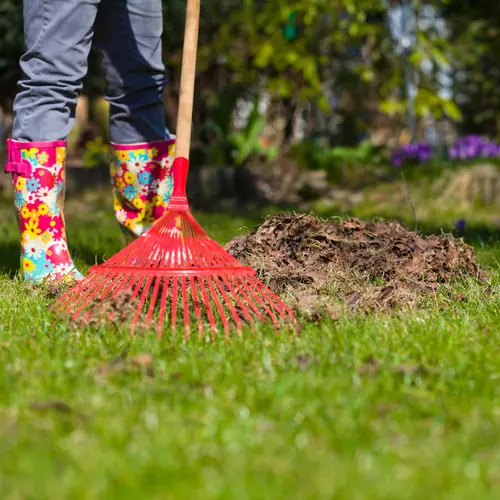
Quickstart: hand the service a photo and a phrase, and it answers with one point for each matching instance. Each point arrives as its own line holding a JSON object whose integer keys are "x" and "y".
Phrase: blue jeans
{"x": 58, "y": 37}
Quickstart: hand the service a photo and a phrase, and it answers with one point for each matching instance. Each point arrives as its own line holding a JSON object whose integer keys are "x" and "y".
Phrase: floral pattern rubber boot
{"x": 39, "y": 186}
{"x": 142, "y": 184}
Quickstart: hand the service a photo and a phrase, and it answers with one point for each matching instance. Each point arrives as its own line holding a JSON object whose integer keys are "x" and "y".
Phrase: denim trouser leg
{"x": 128, "y": 34}
{"x": 59, "y": 35}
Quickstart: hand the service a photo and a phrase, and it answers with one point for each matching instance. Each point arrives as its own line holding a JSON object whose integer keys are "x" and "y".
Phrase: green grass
{"x": 256, "y": 418}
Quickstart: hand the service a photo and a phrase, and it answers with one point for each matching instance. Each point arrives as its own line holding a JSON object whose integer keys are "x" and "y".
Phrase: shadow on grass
{"x": 90, "y": 255}
{"x": 9, "y": 258}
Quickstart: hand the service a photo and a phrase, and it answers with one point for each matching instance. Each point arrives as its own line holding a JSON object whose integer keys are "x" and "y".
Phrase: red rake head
{"x": 175, "y": 270}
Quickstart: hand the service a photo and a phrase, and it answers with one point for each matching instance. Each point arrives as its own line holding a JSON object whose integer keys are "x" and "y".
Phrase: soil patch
{"x": 312, "y": 263}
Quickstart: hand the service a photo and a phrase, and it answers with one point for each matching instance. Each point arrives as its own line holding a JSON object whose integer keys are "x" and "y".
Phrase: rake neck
{"x": 178, "y": 200}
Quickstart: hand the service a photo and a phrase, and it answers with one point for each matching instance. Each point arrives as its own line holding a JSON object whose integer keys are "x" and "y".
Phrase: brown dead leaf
{"x": 353, "y": 298}
{"x": 106, "y": 368}
{"x": 303, "y": 361}
{"x": 408, "y": 369}
{"x": 124, "y": 364}
{"x": 420, "y": 244}
{"x": 56, "y": 405}
{"x": 384, "y": 408}
{"x": 370, "y": 367}
{"x": 414, "y": 369}
{"x": 386, "y": 294}
{"x": 144, "y": 361}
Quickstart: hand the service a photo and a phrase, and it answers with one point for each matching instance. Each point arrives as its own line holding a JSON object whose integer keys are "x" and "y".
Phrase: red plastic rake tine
{"x": 236, "y": 297}
{"x": 272, "y": 296}
{"x": 129, "y": 283}
{"x": 261, "y": 302}
{"x": 245, "y": 295}
{"x": 112, "y": 284}
{"x": 186, "y": 309}
{"x": 278, "y": 306}
{"x": 205, "y": 256}
{"x": 175, "y": 287}
{"x": 145, "y": 250}
{"x": 153, "y": 258}
{"x": 153, "y": 301}
{"x": 220, "y": 287}
{"x": 163, "y": 305}
{"x": 137, "y": 289}
{"x": 122, "y": 284}
{"x": 220, "y": 259}
{"x": 88, "y": 299}
{"x": 261, "y": 298}
{"x": 142, "y": 300}
{"x": 219, "y": 307}
{"x": 192, "y": 252}
{"x": 208, "y": 307}
{"x": 196, "y": 303}
{"x": 76, "y": 292}
{"x": 212, "y": 250}
{"x": 65, "y": 299}
{"x": 103, "y": 294}
{"x": 283, "y": 310}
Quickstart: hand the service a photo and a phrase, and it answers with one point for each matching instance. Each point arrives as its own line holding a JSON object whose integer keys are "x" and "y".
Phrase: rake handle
{"x": 188, "y": 73}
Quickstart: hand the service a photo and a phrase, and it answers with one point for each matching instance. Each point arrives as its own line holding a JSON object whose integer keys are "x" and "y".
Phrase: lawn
{"x": 401, "y": 406}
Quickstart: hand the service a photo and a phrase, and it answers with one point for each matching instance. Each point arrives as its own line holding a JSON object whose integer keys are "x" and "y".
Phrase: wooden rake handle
{"x": 188, "y": 73}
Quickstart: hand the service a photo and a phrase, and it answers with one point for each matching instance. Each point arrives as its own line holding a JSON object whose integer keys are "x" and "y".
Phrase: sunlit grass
{"x": 381, "y": 407}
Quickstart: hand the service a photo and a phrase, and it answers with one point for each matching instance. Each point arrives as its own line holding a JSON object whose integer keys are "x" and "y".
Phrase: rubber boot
{"x": 39, "y": 187}
{"x": 142, "y": 184}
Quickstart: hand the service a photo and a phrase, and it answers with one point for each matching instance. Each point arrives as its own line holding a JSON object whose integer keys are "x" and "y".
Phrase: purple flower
{"x": 397, "y": 160}
{"x": 489, "y": 150}
{"x": 473, "y": 146}
{"x": 471, "y": 151}
{"x": 425, "y": 155}
{"x": 460, "y": 225}
{"x": 418, "y": 152}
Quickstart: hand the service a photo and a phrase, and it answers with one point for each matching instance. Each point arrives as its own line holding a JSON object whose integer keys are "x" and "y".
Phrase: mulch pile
{"x": 323, "y": 266}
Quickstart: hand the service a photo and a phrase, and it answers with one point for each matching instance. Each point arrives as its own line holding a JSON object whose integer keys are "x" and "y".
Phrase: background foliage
{"x": 331, "y": 62}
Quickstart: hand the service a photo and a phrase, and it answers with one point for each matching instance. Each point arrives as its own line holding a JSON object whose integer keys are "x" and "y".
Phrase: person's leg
{"x": 58, "y": 36}
{"x": 128, "y": 32}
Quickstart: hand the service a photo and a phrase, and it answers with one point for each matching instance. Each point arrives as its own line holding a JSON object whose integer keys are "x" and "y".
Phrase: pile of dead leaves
{"x": 119, "y": 309}
{"x": 322, "y": 266}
